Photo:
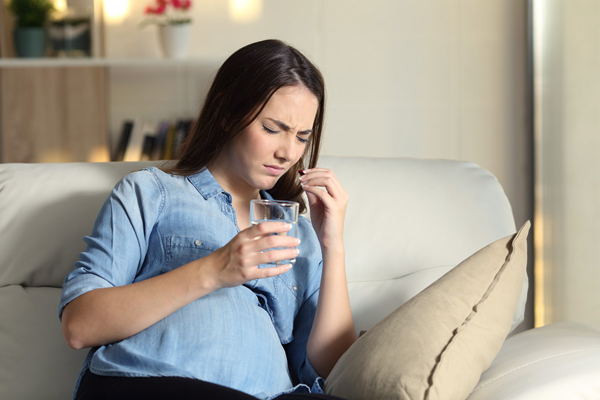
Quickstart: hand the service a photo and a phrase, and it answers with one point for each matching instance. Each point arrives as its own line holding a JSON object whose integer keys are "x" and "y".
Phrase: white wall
{"x": 410, "y": 78}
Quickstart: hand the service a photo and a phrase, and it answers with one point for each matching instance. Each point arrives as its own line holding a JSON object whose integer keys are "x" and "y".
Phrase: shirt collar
{"x": 205, "y": 183}
{"x": 208, "y": 187}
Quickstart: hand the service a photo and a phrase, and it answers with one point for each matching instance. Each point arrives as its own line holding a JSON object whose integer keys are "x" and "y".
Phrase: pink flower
{"x": 167, "y": 12}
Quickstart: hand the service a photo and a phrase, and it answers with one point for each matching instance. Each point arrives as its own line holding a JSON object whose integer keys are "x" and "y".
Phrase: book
{"x": 136, "y": 141}
{"x": 123, "y": 140}
{"x": 161, "y": 137}
{"x": 144, "y": 140}
{"x": 179, "y": 137}
{"x": 148, "y": 147}
{"x": 182, "y": 130}
{"x": 170, "y": 142}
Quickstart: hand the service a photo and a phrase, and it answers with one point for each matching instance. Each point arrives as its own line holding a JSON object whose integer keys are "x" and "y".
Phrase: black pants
{"x": 96, "y": 387}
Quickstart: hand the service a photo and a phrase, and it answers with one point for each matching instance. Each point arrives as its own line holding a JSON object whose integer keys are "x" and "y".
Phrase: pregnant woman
{"x": 169, "y": 294}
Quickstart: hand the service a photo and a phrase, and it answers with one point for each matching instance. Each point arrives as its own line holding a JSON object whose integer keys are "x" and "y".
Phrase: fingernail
{"x": 297, "y": 251}
{"x": 297, "y": 241}
{"x": 287, "y": 226}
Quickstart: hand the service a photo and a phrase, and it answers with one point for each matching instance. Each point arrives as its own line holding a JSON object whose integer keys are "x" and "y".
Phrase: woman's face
{"x": 275, "y": 140}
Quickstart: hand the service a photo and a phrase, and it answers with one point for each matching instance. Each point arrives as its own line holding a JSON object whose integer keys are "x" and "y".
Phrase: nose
{"x": 287, "y": 149}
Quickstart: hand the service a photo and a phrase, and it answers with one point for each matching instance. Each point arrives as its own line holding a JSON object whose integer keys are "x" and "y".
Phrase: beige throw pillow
{"x": 437, "y": 344}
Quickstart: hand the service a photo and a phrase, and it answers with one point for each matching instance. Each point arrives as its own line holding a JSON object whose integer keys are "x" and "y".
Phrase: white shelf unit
{"x": 101, "y": 62}
{"x": 128, "y": 87}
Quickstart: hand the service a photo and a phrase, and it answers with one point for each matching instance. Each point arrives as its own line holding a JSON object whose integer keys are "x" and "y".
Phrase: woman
{"x": 168, "y": 293}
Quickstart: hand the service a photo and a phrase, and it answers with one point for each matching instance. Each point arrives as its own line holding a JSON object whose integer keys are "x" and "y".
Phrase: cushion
{"x": 46, "y": 211}
{"x": 36, "y": 361}
{"x": 437, "y": 344}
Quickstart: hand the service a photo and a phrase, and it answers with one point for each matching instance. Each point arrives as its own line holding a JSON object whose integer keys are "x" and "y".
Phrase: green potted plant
{"x": 30, "y": 34}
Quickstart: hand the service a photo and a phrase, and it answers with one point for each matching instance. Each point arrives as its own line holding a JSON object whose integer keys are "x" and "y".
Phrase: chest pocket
{"x": 181, "y": 250}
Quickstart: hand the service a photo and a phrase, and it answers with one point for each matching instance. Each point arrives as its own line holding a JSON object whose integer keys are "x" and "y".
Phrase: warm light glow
{"x": 99, "y": 154}
{"x": 55, "y": 156}
{"x": 539, "y": 268}
{"x": 115, "y": 10}
{"x": 245, "y": 10}
{"x": 61, "y": 6}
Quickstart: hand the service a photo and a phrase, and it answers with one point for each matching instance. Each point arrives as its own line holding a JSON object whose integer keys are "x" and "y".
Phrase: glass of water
{"x": 276, "y": 210}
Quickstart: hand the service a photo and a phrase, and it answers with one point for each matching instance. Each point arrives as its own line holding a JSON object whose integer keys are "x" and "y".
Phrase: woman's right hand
{"x": 237, "y": 262}
{"x": 111, "y": 314}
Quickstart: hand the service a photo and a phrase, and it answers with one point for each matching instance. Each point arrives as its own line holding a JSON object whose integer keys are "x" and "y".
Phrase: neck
{"x": 237, "y": 188}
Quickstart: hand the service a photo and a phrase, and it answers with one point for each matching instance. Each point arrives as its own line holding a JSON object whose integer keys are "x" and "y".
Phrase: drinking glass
{"x": 276, "y": 210}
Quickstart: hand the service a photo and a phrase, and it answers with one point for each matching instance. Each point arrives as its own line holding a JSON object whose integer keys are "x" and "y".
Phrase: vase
{"x": 174, "y": 39}
{"x": 30, "y": 42}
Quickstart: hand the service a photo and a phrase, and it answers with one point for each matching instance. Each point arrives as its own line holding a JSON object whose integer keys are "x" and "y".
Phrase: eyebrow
{"x": 283, "y": 126}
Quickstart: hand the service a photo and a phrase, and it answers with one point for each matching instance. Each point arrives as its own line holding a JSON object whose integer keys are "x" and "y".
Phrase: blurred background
{"x": 511, "y": 85}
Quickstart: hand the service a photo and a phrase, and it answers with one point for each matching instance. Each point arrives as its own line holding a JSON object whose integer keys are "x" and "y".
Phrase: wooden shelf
{"x": 102, "y": 62}
{"x": 54, "y": 114}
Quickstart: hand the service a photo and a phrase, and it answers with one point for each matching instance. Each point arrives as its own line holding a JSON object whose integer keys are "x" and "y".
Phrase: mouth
{"x": 274, "y": 169}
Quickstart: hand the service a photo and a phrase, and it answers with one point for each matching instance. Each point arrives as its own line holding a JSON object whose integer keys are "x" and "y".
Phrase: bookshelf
{"x": 73, "y": 109}
{"x": 58, "y": 109}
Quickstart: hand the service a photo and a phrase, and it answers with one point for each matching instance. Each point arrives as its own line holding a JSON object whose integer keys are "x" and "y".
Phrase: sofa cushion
{"x": 555, "y": 362}
{"x": 437, "y": 344}
{"x": 46, "y": 211}
{"x": 36, "y": 361}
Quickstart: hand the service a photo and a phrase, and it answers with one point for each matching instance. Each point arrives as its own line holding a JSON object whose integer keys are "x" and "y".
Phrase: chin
{"x": 265, "y": 184}
{"x": 268, "y": 186}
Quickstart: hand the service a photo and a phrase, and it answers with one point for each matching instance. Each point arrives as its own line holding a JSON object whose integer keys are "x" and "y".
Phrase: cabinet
{"x": 58, "y": 110}
{"x": 53, "y": 114}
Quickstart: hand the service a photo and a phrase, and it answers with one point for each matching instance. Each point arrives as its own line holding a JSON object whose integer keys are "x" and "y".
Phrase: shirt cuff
{"x": 307, "y": 373}
{"x": 79, "y": 285}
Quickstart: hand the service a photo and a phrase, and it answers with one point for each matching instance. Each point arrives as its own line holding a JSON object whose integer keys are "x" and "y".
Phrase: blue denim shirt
{"x": 251, "y": 337}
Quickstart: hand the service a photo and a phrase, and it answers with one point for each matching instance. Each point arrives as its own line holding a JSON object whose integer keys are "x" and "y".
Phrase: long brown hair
{"x": 242, "y": 87}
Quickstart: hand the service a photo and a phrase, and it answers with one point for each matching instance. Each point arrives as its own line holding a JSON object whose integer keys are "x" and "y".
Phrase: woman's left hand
{"x": 328, "y": 201}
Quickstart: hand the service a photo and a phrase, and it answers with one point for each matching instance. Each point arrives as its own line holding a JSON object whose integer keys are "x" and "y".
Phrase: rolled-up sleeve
{"x": 119, "y": 240}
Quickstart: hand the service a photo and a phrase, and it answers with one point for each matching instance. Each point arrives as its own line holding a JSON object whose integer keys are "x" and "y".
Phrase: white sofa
{"x": 408, "y": 222}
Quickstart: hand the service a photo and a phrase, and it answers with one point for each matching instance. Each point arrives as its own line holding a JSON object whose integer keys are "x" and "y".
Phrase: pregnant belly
{"x": 224, "y": 337}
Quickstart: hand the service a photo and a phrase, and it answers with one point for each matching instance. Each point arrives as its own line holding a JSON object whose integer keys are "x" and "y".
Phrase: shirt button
{"x": 294, "y": 288}
{"x": 197, "y": 243}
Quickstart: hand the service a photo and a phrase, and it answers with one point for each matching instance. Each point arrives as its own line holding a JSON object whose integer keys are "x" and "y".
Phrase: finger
{"x": 314, "y": 172}
{"x": 316, "y": 169}
{"x": 312, "y": 199}
{"x": 272, "y": 241}
{"x": 267, "y": 228}
{"x": 272, "y": 256}
{"x": 272, "y": 271}
{"x": 322, "y": 194}
{"x": 325, "y": 178}
{"x": 330, "y": 184}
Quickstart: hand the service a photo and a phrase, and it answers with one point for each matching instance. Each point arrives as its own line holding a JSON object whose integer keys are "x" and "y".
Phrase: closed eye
{"x": 269, "y": 130}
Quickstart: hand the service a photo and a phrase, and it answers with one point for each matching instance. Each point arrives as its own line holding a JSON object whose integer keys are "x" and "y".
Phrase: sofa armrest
{"x": 557, "y": 361}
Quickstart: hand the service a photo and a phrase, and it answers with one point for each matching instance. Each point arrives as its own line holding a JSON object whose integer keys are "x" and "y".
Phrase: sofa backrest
{"x": 45, "y": 210}
{"x": 408, "y": 222}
